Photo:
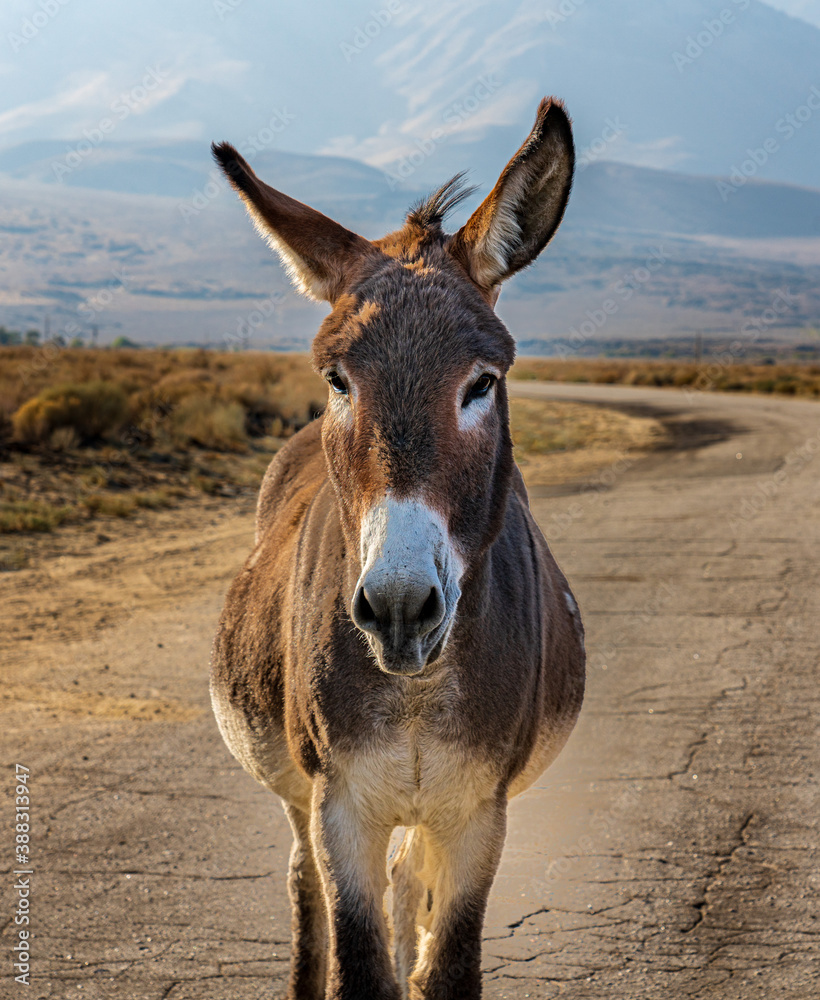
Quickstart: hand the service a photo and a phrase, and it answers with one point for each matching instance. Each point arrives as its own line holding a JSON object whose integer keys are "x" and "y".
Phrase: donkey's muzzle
{"x": 399, "y": 614}
{"x": 406, "y": 596}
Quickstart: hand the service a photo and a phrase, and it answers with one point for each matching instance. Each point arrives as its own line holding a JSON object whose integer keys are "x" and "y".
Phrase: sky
{"x": 808, "y": 10}
{"x": 660, "y": 83}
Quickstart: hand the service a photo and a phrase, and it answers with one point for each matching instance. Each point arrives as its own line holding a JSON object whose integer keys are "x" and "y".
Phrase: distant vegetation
{"x": 166, "y": 401}
{"x": 756, "y": 349}
{"x": 711, "y": 375}
{"x": 30, "y": 337}
{"x": 119, "y": 342}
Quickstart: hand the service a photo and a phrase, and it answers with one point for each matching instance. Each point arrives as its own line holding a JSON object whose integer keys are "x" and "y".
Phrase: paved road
{"x": 670, "y": 853}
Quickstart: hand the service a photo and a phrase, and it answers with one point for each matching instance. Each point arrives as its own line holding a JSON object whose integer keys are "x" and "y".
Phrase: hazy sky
{"x": 808, "y": 10}
{"x": 376, "y": 79}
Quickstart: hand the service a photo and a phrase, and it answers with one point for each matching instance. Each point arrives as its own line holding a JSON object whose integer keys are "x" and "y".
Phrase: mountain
{"x": 418, "y": 88}
{"x": 679, "y": 84}
{"x": 638, "y": 199}
{"x": 606, "y": 195}
{"x": 186, "y": 171}
{"x": 186, "y": 265}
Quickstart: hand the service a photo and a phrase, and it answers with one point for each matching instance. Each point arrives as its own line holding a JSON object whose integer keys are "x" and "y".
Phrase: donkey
{"x": 400, "y": 649}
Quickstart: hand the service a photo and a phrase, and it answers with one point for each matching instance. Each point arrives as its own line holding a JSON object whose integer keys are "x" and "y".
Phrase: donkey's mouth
{"x": 410, "y": 658}
{"x": 407, "y": 651}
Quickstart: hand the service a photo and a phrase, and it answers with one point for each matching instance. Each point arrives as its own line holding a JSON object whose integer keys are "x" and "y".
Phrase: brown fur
{"x": 356, "y": 750}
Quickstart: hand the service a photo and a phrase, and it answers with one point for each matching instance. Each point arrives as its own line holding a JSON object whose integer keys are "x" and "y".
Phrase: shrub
{"x": 210, "y": 424}
{"x": 154, "y": 500}
{"x": 13, "y": 559}
{"x": 31, "y": 515}
{"x": 114, "y": 506}
{"x": 64, "y": 439}
{"x": 90, "y": 410}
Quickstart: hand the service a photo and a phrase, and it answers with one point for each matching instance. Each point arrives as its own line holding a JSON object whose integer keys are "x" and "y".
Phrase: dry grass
{"x": 558, "y": 441}
{"x": 125, "y": 504}
{"x": 714, "y": 374}
{"x": 108, "y": 505}
{"x": 32, "y": 515}
{"x": 170, "y": 398}
{"x": 76, "y": 412}
{"x": 89, "y": 434}
{"x": 13, "y": 558}
{"x": 210, "y": 424}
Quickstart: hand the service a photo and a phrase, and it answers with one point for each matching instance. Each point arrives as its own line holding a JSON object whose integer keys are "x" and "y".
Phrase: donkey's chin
{"x": 414, "y": 656}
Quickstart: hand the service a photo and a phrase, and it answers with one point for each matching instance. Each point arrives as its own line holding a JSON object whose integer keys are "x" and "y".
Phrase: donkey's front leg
{"x": 309, "y": 919}
{"x": 460, "y": 862}
{"x": 350, "y": 846}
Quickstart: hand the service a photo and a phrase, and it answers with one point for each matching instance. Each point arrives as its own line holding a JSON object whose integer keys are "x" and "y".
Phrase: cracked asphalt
{"x": 671, "y": 852}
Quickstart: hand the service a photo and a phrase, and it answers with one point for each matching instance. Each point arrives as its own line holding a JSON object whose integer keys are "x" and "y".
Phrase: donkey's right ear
{"x": 520, "y": 215}
{"x": 319, "y": 255}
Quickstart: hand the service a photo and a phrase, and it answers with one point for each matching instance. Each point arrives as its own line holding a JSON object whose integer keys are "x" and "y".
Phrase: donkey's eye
{"x": 481, "y": 388}
{"x": 337, "y": 383}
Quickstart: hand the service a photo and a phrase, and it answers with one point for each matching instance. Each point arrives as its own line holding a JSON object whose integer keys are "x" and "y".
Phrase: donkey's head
{"x": 416, "y": 431}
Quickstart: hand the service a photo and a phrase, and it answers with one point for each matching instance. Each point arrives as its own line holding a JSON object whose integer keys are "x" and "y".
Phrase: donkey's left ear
{"x": 520, "y": 215}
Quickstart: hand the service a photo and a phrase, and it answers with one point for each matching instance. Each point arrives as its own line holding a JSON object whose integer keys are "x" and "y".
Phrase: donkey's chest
{"x": 408, "y": 784}
{"x": 413, "y": 770}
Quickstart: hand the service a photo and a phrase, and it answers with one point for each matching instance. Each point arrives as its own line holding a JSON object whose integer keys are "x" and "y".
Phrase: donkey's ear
{"x": 318, "y": 254}
{"x": 520, "y": 215}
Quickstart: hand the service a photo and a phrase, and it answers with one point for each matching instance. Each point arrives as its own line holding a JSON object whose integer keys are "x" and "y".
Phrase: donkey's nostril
{"x": 363, "y": 613}
{"x": 432, "y": 611}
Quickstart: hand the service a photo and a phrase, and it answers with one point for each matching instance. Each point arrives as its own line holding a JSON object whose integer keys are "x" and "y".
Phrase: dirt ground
{"x": 670, "y": 852}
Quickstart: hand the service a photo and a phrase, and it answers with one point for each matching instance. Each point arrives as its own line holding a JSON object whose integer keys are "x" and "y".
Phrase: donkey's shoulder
{"x": 299, "y": 468}
{"x": 246, "y": 667}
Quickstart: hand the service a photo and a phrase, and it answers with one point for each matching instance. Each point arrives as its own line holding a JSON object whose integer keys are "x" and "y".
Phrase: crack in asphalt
{"x": 701, "y": 905}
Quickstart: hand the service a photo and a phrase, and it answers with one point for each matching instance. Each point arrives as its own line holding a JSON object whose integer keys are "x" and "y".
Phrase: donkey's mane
{"x": 430, "y": 212}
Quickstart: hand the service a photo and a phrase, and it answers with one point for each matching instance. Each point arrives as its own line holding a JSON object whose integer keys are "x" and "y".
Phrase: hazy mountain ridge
{"x": 606, "y": 195}
{"x": 189, "y": 267}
